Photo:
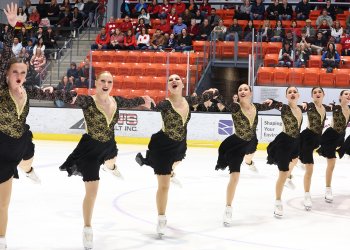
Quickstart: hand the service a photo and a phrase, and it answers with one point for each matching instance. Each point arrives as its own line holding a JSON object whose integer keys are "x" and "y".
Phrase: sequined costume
{"x": 233, "y": 149}
{"x": 332, "y": 139}
{"x": 285, "y": 147}
{"x": 98, "y": 143}
{"x": 311, "y": 136}
{"x": 169, "y": 144}
{"x": 15, "y": 137}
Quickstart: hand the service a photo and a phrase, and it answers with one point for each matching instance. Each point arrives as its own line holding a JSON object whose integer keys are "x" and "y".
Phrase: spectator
{"x": 330, "y": 58}
{"x": 266, "y": 31}
{"x": 50, "y": 39}
{"x": 171, "y": 43}
{"x": 116, "y": 40}
{"x": 81, "y": 82}
{"x": 165, "y": 9}
{"x": 198, "y": 16}
{"x": 303, "y": 10}
{"x": 302, "y": 55}
{"x": 258, "y": 11}
{"x": 22, "y": 53}
{"x": 286, "y": 55}
{"x": 139, "y": 27}
{"x": 348, "y": 22}
{"x": 213, "y": 18}
{"x": 73, "y": 71}
{"x": 248, "y": 31}
{"x": 139, "y": 6}
{"x": 158, "y": 41}
{"x": 319, "y": 43}
{"x": 290, "y": 38}
{"x": 219, "y": 31}
{"x": 184, "y": 42}
{"x": 337, "y": 31}
{"x": 40, "y": 45}
{"x": 28, "y": 7}
{"x": 345, "y": 42}
{"x": 126, "y": 25}
{"x": 39, "y": 34}
{"x": 34, "y": 18}
{"x": 153, "y": 9}
{"x": 31, "y": 78}
{"x": 205, "y": 8}
{"x": 111, "y": 25}
{"x": 204, "y": 31}
{"x": 309, "y": 30}
{"x": 278, "y": 32}
{"x": 80, "y": 5}
{"x": 193, "y": 29}
{"x": 145, "y": 16}
{"x": 21, "y": 18}
{"x": 38, "y": 61}
{"x": 177, "y": 29}
{"x": 235, "y": 28}
{"x": 64, "y": 18}
{"x": 324, "y": 16}
{"x": 180, "y": 7}
{"x": 192, "y": 7}
{"x": 84, "y": 74}
{"x": 294, "y": 29}
{"x": 76, "y": 20}
{"x": 23, "y": 36}
{"x": 16, "y": 46}
{"x": 285, "y": 11}
{"x": 244, "y": 11}
{"x": 102, "y": 40}
{"x": 330, "y": 10}
{"x": 143, "y": 39}
{"x": 65, "y": 84}
{"x": 29, "y": 48}
{"x": 172, "y": 17}
{"x": 272, "y": 10}
{"x": 125, "y": 9}
{"x": 324, "y": 28}
{"x": 164, "y": 26}
{"x": 89, "y": 11}
{"x": 129, "y": 40}
{"x": 186, "y": 17}
{"x": 53, "y": 12}
{"x": 65, "y": 4}
{"x": 42, "y": 9}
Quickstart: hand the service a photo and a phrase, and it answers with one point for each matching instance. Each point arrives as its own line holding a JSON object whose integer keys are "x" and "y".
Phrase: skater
{"x": 234, "y": 148}
{"x": 311, "y": 136}
{"x": 332, "y": 139}
{"x": 284, "y": 149}
{"x": 97, "y": 146}
{"x": 168, "y": 147}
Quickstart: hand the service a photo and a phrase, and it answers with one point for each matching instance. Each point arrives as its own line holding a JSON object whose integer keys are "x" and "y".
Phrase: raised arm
{"x": 207, "y": 95}
{"x": 42, "y": 94}
{"x": 267, "y": 105}
{"x": 129, "y": 103}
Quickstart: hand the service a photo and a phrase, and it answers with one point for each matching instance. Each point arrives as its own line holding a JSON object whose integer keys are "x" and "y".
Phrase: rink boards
{"x": 136, "y": 127}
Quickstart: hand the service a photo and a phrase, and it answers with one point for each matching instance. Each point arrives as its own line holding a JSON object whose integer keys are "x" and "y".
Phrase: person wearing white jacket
{"x": 337, "y": 31}
{"x": 143, "y": 39}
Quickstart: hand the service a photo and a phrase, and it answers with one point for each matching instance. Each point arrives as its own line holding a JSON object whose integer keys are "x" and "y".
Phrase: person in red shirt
{"x": 205, "y": 8}
{"x": 193, "y": 29}
{"x": 172, "y": 17}
{"x": 180, "y": 7}
{"x": 165, "y": 9}
{"x": 345, "y": 42}
{"x": 111, "y": 25}
{"x": 102, "y": 40}
{"x": 164, "y": 26}
{"x": 129, "y": 40}
{"x": 126, "y": 24}
{"x": 153, "y": 9}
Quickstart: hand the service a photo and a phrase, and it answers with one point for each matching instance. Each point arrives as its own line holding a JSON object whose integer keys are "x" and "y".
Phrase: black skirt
{"x": 253, "y": 145}
{"x": 163, "y": 152}
{"x": 282, "y": 150}
{"x": 330, "y": 141}
{"x": 231, "y": 153}
{"x": 88, "y": 156}
{"x": 309, "y": 141}
{"x": 345, "y": 148}
{"x": 13, "y": 151}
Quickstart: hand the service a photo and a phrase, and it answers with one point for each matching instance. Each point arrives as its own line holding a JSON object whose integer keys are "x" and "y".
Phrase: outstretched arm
{"x": 50, "y": 95}
{"x": 130, "y": 103}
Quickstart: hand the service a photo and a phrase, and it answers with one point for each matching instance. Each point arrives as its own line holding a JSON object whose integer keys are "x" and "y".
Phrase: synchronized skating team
{"x": 167, "y": 147}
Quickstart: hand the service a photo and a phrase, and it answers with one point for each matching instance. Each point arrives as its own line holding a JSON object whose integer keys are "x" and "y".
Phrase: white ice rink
{"x": 49, "y": 216}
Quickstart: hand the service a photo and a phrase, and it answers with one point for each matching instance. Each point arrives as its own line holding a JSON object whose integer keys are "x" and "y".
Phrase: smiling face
{"x": 244, "y": 92}
{"x": 344, "y": 97}
{"x": 292, "y": 94}
{"x": 175, "y": 85}
{"x": 317, "y": 94}
{"x": 104, "y": 83}
{"x": 16, "y": 75}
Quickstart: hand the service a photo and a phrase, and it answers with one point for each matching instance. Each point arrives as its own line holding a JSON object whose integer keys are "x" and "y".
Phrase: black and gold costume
{"x": 285, "y": 147}
{"x": 98, "y": 144}
{"x": 333, "y": 137}
{"x": 169, "y": 144}
{"x": 15, "y": 137}
{"x": 311, "y": 136}
{"x": 233, "y": 149}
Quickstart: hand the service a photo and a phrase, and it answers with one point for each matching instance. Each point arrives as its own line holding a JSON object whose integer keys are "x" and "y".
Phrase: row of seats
{"x": 315, "y": 61}
{"x": 281, "y": 76}
{"x": 135, "y": 56}
{"x": 157, "y": 95}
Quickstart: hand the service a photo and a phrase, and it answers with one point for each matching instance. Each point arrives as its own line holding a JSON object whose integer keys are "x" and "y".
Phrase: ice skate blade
{"x": 278, "y": 216}
{"x": 307, "y": 208}
{"x": 160, "y": 235}
{"x": 227, "y": 224}
{"x": 328, "y": 200}
{"x": 87, "y": 248}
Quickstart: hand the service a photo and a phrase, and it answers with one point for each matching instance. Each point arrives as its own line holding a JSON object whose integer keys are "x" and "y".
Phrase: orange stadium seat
{"x": 151, "y": 69}
{"x": 271, "y": 60}
{"x": 137, "y": 69}
{"x": 242, "y": 23}
{"x": 129, "y": 82}
{"x": 273, "y": 48}
{"x": 345, "y": 62}
{"x": 296, "y": 76}
{"x": 314, "y": 14}
{"x": 161, "y": 69}
{"x": 244, "y": 49}
{"x": 124, "y": 69}
{"x": 265, "y": 75}
{"x": 111, "y": 67}
{"x": 280, "y": 75}
{"x": 121, "y": 92}
{"x": 96, "y": 55}
{"x": 81, "y": 91}
{"x": 155, "y": 22}
{"x": 315, "y": 61}
{"x": 146, "y": 57}
{"x": 117, "y": 81}
{"x": 201, "y": 46}
{"x": 133, "y": 56}
{"x": 160, "y": 57}
{"x": 326, "y": 79}
{"x": 342, "y": 77}
{"x": 178, "y": 69}
{"x": 136, "y": 92}
{"x": 311, "y": 76}
{"x": 143, "y": 82}
{"x": 120, "y": 56}
{"x": 158, "y": 82}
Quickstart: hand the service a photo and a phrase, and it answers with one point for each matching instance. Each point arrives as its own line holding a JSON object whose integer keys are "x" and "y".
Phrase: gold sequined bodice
{"x": 316, "y": 121}
{"x": 339, "y": 122}
{"x": 98, "y": 125}
{"x": 291, "y": 126}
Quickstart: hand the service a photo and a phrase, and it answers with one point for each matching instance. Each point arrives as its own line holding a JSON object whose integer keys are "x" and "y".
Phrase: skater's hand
{"x": 221, "y": 106}
{"x": 11, "y": 14}
{"x": 148, "y": 102}
{"x": 49, "y": 89}
{"x": 268, "y": 102}
{"x": 74, "y": 99}
{"x": 304, "y": 105}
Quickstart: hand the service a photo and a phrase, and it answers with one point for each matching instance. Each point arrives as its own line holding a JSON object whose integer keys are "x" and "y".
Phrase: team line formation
{"x": 167, "y": 147}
